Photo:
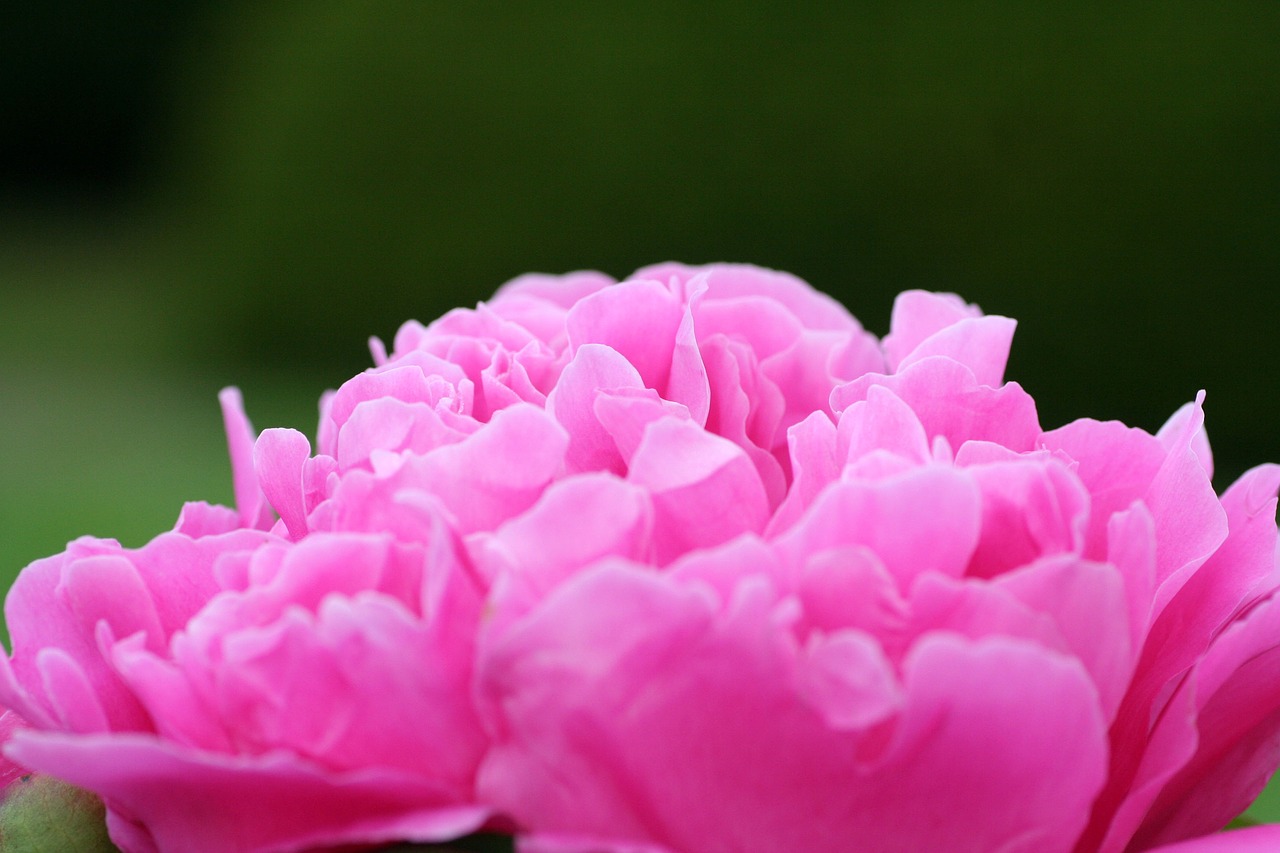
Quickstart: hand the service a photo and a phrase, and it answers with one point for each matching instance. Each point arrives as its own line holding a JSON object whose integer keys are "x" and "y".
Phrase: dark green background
{"x": 200, "y": 194}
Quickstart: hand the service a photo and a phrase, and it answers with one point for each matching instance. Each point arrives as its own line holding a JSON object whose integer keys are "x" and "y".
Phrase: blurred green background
{"x": 201, "y": 194}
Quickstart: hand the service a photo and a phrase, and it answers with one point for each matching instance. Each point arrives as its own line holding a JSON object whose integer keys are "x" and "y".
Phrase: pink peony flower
{"x": 685, "y": 563}
{"x": 235, "y": 691}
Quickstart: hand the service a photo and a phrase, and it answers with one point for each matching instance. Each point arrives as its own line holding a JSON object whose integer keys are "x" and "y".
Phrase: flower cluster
{"x": 681, "y": 564}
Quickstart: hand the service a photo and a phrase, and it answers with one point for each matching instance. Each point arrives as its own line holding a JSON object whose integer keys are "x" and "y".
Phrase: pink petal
{"x": 926, "y": 520}
{"x": 1237, "y": 689}
{"x": 198, "y": 519}
{"x": 643, "y": 738}
{"x": 1116, "y": 463}
{"x": 917, "y": 316}
{"x": 108, "y": 588}
{"x": 1183, "y": 633}
{"x": 560, "y": 842}
{"x": 1174, "y": 428}
{"x": 595, "y": 369}
{"x": 745, "y": 408}
{"x": 980, "y": 344}
{"x": 576, "y": 522}
{"x": 250, "y": 503}
{"x": 814, "y": 466}
{"x": 815, "y": 309}
{"x": 563, "y": 290}
{"x": 638, "y": 319}
{"x": 849, "y": 588}
{"x": 1030, "y": 509}
{"x": 232, "y": 804}
{"x": 279, "y": 457}
{"x": 1257, "y": 839}
{"x": 476, "y": 479}
{"x": 949, "y": 401}
{"x": 705, "y": 490}
{"x": 40, "y": 621}
{"x": 1190, "y": 521}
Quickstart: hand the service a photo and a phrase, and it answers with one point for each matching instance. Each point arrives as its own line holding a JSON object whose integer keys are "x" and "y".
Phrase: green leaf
{"x": 41, "y": 814}
{"x": 1243, "y": 822}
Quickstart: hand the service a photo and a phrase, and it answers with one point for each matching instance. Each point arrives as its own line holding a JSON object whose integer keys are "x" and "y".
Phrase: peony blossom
{"x": 685, "y": 563}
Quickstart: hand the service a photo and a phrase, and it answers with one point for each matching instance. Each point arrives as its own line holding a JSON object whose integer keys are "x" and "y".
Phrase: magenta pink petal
{"x": 1237, "y": 690}
{"x": 812, "y": 444}
{"x": 474, "y": 478}
{"x": 233, "y": 804}
{"x": 926, "y": 520}
{"x": 644, "y": 738}
{"x": 704, "y": 488}
{"x": 1257, "y": 839}
{"x": 250, "y": 503}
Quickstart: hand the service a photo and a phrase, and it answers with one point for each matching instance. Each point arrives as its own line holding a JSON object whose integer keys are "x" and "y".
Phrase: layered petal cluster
{"x": 689, "y": 562}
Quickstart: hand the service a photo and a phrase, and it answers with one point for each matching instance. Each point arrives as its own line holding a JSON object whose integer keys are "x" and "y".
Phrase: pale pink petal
{"x": 881, "y": 422}
{"x": 419, "y": 377}
{"x": 638, "y": 319}
{"x": 199, "y": 518}
{"x": 386, "y": 423}
{"x": 687, "y": 382}
{"x": 563, "y": 290}
{"x": 763, "y": 325}
{"x": 917, "y": 316}
{"x": 815, "y": 309}
{"x": 594, "y": 370}
{"x": 279, "y": 457}
{"x": 979, "y": 343}
{"x": 250, "y": 502}
{"x": 816, "y": 363}
{"x": 745, "y": 408}
{"x": 626, "y": 413}
{"x": 1174, "y": 428}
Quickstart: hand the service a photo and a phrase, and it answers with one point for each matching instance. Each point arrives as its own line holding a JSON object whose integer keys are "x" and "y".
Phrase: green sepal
{"x": 41, "y": 814}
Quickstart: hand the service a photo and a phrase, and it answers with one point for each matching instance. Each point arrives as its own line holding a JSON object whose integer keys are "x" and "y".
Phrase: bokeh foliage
{"x": 1108, "y": 175}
